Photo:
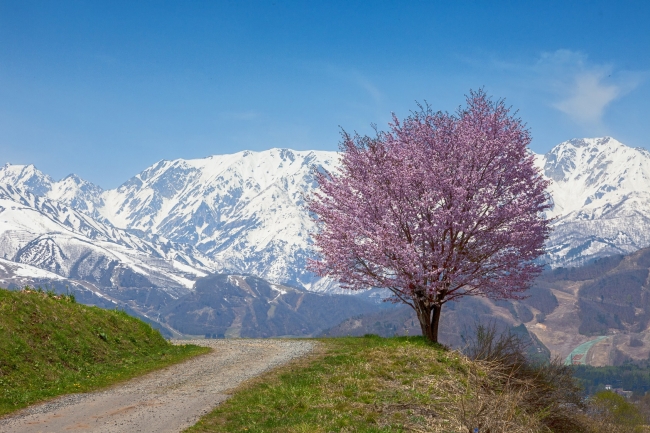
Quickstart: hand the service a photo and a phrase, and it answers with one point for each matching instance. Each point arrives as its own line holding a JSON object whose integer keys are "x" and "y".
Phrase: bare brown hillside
{"x": 568, "y": 310}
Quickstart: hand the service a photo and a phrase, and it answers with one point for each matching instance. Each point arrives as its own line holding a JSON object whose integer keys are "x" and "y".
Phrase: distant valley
{"x": 597, "y": 314}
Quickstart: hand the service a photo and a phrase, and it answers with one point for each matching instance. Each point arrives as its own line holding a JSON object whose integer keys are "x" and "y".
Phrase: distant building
{"x": 623, "y": 393}
{"x": 577, "y": 359}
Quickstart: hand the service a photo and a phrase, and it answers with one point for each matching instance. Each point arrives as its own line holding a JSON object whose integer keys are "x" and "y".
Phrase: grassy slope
{"x": 51, "y": 346}
{"x": 366, "y": 384}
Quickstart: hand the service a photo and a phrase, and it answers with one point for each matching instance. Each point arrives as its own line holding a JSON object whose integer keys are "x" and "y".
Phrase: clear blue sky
{"x": 104, "y": 89}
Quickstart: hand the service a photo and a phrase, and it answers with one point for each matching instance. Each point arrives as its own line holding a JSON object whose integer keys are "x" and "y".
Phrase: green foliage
{"x": 629, "y": 376}
{"x": 50, "y": 345}
{"x": 611, "y": 408}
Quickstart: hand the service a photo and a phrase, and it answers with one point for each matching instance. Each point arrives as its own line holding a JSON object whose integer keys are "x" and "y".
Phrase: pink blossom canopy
{"x": 440, "y": 205}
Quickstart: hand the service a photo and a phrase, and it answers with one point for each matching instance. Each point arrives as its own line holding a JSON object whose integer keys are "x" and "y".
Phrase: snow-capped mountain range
{"x": 245, "y": 213}
{"x": 52, "y": 236}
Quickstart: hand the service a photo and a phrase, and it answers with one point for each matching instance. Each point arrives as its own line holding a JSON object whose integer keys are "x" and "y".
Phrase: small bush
{"x": 547, "y": 393}
{"x": 612, "y": 413}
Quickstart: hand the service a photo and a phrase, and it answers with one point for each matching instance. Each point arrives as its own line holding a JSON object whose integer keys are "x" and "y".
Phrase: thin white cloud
{"x": 370, "y": 88}
{"x": 589, "y": 98}
{"x": 568, "y": 81}
{"x": 352, "y": 76}
{"x": 582, "y": 89}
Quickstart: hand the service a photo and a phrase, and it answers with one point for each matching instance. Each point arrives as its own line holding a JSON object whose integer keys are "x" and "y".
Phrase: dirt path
{"x": 168, "y": 400}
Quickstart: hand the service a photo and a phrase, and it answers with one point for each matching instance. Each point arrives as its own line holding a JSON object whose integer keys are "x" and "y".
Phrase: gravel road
{"x": 167, "y": 400}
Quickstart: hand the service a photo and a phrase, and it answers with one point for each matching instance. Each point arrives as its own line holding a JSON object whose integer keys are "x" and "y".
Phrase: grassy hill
{"x": 50, "y": 345}
{"x": 405, "y": 384}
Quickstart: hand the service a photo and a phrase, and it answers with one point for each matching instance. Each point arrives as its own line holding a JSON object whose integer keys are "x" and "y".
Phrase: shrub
{"x": 610, "y": 412}
{"x": 547, "y": 393}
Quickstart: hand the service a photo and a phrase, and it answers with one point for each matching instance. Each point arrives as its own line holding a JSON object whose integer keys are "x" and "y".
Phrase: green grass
{"x": 49, "y": 346}
{"x": 367, "y": 384}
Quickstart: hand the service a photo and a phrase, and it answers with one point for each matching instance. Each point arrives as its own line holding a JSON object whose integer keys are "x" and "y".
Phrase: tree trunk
{"x": 428, "y": 316}
{"x": 428, "y": 321}
{"x": 435, "y": 320}
{"x": 423, "y": 317}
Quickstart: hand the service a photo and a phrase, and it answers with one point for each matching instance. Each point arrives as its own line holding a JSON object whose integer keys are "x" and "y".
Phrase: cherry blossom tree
{"x": 440, "y": 207}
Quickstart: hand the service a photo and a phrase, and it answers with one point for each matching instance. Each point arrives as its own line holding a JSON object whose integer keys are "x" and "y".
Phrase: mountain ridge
{"x": 51, "y": 236}
{"x": 245, "y": 211}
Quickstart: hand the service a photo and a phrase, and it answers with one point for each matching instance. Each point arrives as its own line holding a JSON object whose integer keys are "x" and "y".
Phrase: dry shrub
{"x": 486, "y": 400}
{"x": 599, "y": 425}
{"x": 509, "y": 394}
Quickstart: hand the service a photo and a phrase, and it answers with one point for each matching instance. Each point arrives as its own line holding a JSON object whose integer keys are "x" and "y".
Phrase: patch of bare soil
{"x": 559, "y": 332}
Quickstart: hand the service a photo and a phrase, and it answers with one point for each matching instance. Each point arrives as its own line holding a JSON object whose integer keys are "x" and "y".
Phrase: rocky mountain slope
{"x": 245, "y": 211}
{"x": 45, "y": 242}
{"x": 602, "y": 314}
{"x": 226, "y": 305}
{"x": 601, "y": 191}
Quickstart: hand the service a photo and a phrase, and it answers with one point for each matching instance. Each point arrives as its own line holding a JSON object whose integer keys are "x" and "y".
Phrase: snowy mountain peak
{"x": 72, "y": 190}
{"x": 74, "y": 179}
{"x": 601, "y": 195}
{"x": 574, "y": 155}
{"x": 591, "y": 172}
{"x": 28, "y": 176}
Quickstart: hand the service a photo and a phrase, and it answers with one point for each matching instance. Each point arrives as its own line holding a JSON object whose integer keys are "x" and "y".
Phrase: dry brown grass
{"x": 486, "y": 399}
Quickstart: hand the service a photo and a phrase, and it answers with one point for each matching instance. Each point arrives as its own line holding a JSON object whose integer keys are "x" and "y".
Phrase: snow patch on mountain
{"x": 22, "y": 270}
{"x": 245, "y": 211}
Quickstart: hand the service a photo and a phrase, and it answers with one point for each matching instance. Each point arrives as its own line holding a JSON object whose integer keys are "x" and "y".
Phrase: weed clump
{"x": 506, "y": 392}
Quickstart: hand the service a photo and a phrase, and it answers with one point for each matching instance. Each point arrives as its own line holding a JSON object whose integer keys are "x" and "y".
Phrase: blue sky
{"x": 104, "y": 89}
